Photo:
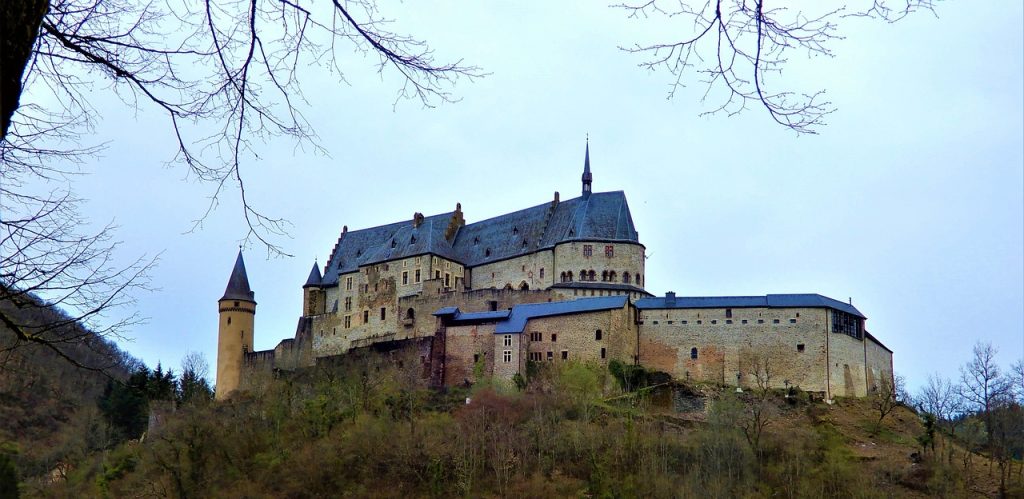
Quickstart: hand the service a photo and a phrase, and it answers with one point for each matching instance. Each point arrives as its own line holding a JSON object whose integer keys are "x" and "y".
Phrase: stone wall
{"x": 627, "y": 258}
{"x": 879, "y": 363}
{"x": 514, "y": 272}
{"x": 464, "y": 346}
{"x": 575, "y": 336}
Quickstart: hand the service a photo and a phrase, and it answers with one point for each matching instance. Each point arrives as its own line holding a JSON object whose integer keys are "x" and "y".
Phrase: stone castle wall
{"x": 626, "y": 258}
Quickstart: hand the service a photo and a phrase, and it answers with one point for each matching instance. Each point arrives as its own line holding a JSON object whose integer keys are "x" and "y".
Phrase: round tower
{"x": 237, "y": 315}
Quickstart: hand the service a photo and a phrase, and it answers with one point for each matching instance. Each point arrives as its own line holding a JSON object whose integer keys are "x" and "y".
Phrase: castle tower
{"x": 587, "y": 178}
{"x": 312, "y": 296}
{"x": 237, "y": 314}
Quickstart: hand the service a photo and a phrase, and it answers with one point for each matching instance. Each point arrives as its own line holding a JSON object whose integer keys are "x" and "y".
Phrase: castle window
{"x": 410, "y": 314}
{"x": 728, "y": 321}
{"x": 792, "y": 321}
{"x": 492, "y": 305}
{"x": 597, "y": 335}
{"x": 760, "y": 321}
{"x": 562, "y": 277}
{"x": 393, "y": 243}
{"x": 638, "y": 280}
{"x": 592, "y": 275}
{"x": 515, "y": 230}
{"x": 229, "y": 320}
{"x": 700, "y": 322}
{"x": 800, "y": 347}
{"x": 447, "y": 265}
{"x": 416, "y": 276}
{"x": 728, "y": 312}
{"x": 348, "y": 283}
{"x": 625, "y": 277}
{"x": 604, "y": 353}
{"x": 684, "y": 322}
{"x": 476, "y": 358}
{"x": 437, "y": 274}
{"x": 714, "y": 321}
{"x": 507, "y": 356}
{"x": 693, "y": 353}
{"x": 554, "y": 337}
{"x": 744, "y": 321}
{"x": 366, "y": 316}
{"x": 583, "y": 275}
{"x": 383, "y": 312}
{"x": 604, "y": 275}
{"x": 508, "y": 340}
{"x": 588, "y": 250}
{"x": 542, "y": 272}
{"x": 569, "y": 275}
{"x": 523, "y": 286}
{"x": 447, "y": 279}
{"x": 405, "y": 278}
{"x": 612, "y": 276}
{"x": 775, "y": 321}
{"x": 535, "y": 336}
{"x": 609, "y": 251}
{"x": 476, "y": 241}
{"x": 487, "y": 252}
{"x": 565, "y": 355}
{"x": 523, "y": 268}
{"x": 551, "y": 356}
{"x": 236, "y": 303}
{"x": 348, "y": 303}
{"x": 348, "y": 321}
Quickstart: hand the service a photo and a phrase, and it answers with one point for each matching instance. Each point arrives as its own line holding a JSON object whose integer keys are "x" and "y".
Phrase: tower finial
{"x": 588, "y": 177}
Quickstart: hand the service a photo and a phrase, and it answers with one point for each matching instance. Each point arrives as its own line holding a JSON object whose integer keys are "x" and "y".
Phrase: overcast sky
{"x": 910, "y": 202}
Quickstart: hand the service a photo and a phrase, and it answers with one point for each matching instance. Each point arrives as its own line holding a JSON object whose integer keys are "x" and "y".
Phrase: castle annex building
{"x": 561, "y": 281}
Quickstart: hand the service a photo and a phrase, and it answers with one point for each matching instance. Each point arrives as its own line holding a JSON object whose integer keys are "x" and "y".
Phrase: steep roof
{"x": 601, "y": 216}
{"x": 810, "y": 300}
{"x": 314, "y": 278}
{"x": 238, "y": 283}
{"x": 514, "y": 321}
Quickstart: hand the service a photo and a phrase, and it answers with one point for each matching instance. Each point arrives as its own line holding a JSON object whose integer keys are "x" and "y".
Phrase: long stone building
{"x": 561, "y": 281}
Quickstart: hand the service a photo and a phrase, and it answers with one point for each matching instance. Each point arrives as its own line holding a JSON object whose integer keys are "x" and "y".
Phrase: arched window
{"x": 693, "y": 353}
{"x": 604, "y": 275}
{"x": 611, "y": 276}
{"x": 583, "y": 275}
{"x": 508, "y": 285}
{"x": 569, "y": 275}
{"x": 563, "y": 277}
{"x": 592, "y": 275}
{"x": 523, "y": 286}
{"x": 625, "y": 277}
{"x": 410, "y": 314}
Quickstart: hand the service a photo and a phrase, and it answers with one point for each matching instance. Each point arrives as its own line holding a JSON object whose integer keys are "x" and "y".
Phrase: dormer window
{"x": 393, "y": 243}
{"x": 487, "y": 252}
{"x": 515, "y": 230}
{"x": 476, "y": 241}
{"x": 359, "y": 252}
{"x": 524, "y": 243}
{"x": 412, "y": 240}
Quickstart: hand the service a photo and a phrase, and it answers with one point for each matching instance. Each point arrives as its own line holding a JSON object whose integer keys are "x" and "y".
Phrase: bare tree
{"x": 885, "y": 396}
{"x": 224, "y": 75}
{"x": 939, "y": 397}
{"x": 761, "y": 409}
{"x": 982, "y": 384}
{"x": 739, "y": 49}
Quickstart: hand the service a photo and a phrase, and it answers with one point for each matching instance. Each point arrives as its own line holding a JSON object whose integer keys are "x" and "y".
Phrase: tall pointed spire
{"x": 314, "y": 278}
{"x": 238, "y": 284}
{"x": 588, "y": 178}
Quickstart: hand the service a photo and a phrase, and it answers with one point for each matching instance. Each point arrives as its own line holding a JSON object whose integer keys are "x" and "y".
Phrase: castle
{"x": 561, "y": 281}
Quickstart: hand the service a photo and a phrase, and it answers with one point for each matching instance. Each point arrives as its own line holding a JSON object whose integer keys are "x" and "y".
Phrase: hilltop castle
{"x": 556, "y": 282}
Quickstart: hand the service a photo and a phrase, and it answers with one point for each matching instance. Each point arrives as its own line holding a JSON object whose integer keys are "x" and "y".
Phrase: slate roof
{"x": 314, "y": 278}
{"x": 238, "y": 283}
{"x": 770, "y": 301}
{"x": 601, "y": 216}
{"x": 514, "y": 321}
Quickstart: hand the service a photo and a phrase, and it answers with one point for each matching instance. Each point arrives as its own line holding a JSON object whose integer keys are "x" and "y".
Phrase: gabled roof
{"x": 809, "y": 300}
{"x": 238, "y": 283}
{"x": 601, "y": 216}
{"x": 514, "y": 321}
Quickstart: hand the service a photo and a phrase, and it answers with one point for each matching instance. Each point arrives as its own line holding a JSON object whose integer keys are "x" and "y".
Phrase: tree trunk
{"x": 19, "y": 28}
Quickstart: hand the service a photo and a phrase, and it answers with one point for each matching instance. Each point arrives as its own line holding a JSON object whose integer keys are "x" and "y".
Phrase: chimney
{"x": 417, "y": 219}
{"x": 670, "y": 299}
{"x": 344, "y": 229}
{"x": 454, "y": 223}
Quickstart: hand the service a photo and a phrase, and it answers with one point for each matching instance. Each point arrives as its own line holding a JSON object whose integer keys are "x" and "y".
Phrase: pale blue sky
{"x": 911, "y": 201}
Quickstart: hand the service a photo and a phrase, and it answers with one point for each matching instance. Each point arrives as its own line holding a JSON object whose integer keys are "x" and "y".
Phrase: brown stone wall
{"x": 235, "y": 339}
{"x": 730, "y": 345}
{"x": 462, "y": 343}
{"x": 516, "y": 271}
{"x": 879, "y": 364}
{"x": 576, "y": 335}
{"x": 628, "y": 257}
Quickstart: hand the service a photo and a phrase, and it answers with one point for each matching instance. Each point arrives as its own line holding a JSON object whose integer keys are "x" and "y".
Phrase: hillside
{"x": 366, "y": 429}
{"x": 48, "y": 411}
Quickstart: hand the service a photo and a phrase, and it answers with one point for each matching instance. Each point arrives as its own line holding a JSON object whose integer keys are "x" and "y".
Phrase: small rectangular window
{"x": 604, "y": 353}
{"x": 508, "y": 340}
{"x": 416, "y": 277}
{"x": 744, "y": 321}
{"x": 554, "y": 337}
{"x": 714, "y": 321}
{"x": 565, "y": 355}
{"x": 792, "y": 321}
{"x": 609, "y": 251}
{"x": 476, "y": 358}
{"x": 348, "y": 283}
{"x": 405, "y": 278}
{"x": 542, "y": 272}
{"x": 760, "y": 321}
{"x": 685, "y": 322}
{"x": 366, "y": 316}
{"x": 588, "y": 250}
{"x": 551, "y": 356}
{"x": 728, "y": 313}
{"x": 383, "y": 312}
{"x": 775, "y": 321}
{"x": 700, "y": 322}
{"x": 800, "y": 347}
{"x": 507, "y": 356}
{"x": 348, "y": 321}
{"x": 597, "y": 335}
{"x": 437, "y": 274}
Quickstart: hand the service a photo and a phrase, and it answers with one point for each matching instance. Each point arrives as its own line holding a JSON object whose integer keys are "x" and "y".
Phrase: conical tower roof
{"x": 314, "y": 277}
{"x": 238, "y": 284}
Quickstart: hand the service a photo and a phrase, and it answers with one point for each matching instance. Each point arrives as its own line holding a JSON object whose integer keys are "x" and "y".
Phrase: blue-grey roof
{"x": 601, "y": 216}
{"x": 238, "y": 283}
{"x": 809, "y": 300}
{"x": 523, "y": 313}
{"x": 314, "y": 278}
